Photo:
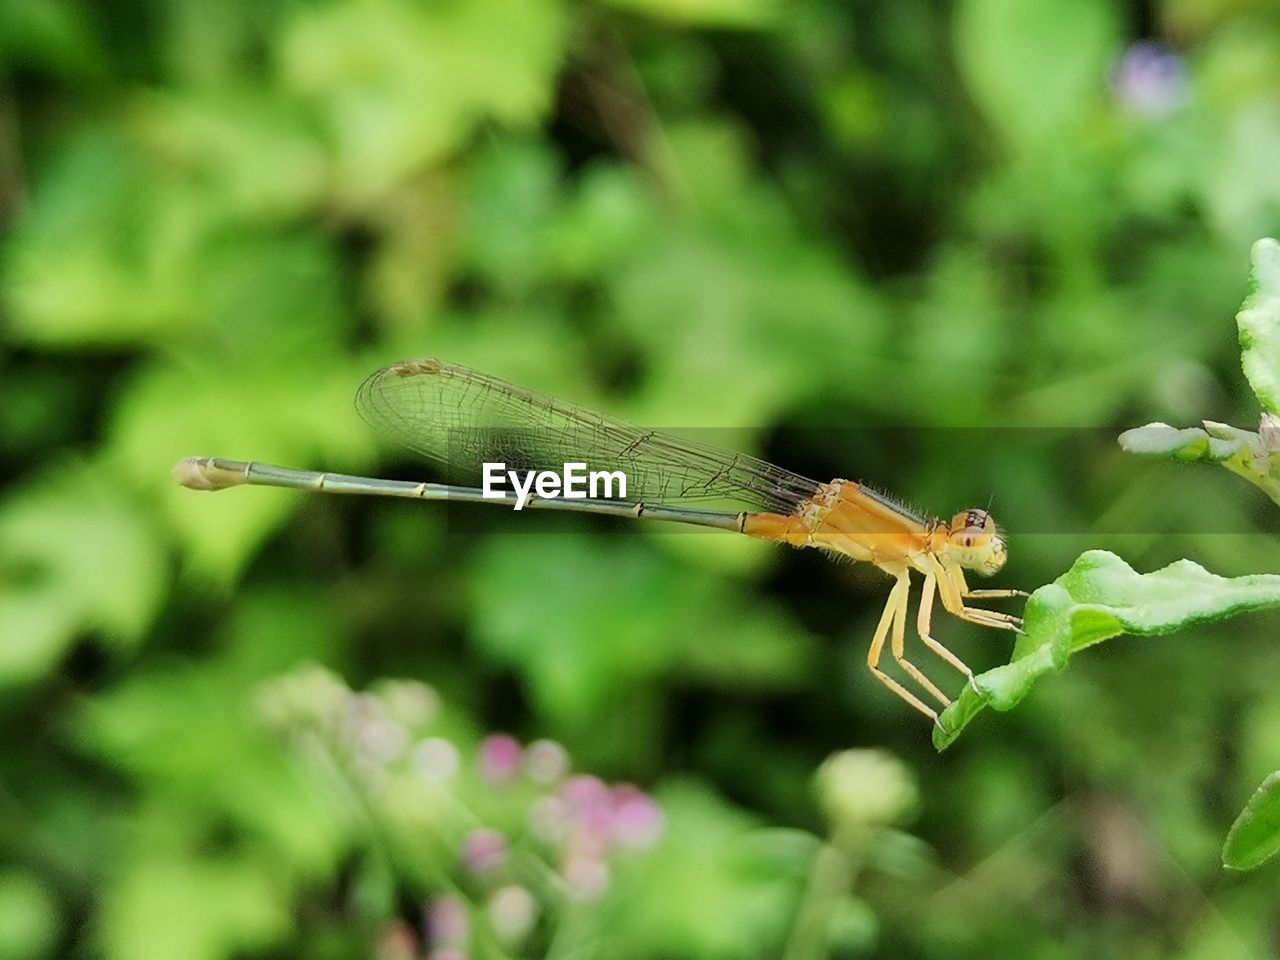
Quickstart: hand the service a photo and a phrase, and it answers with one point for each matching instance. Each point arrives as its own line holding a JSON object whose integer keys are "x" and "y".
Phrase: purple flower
{"x": 500, "y": 756}
{"x": 1149, "y": 79}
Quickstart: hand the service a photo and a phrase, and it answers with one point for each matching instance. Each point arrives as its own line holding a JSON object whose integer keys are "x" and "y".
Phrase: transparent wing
{"x": 462, "y": 418}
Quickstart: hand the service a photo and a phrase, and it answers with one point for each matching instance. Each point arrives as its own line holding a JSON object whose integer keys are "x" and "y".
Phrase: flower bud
{"x": 865, "y": 788}
{"x": 512, "y": 913}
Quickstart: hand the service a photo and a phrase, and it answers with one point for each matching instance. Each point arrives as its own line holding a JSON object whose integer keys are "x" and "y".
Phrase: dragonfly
{"x": 462, "y": 418}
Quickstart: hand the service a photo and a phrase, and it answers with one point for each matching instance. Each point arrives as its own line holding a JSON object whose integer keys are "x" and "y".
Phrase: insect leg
{"x": 894, "y": 610}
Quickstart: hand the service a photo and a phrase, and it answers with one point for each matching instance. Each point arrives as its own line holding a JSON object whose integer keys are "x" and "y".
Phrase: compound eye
{"x": 972, "y": 527}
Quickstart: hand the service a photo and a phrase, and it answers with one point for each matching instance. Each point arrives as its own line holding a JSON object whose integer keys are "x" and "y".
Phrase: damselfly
{"x": 462, "y": 418}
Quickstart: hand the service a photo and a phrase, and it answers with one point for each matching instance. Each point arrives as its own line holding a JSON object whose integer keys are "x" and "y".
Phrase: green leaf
{"x": 1255, "y": 836}
{"x": 295, "y": 411}
{"x": 53, "y": 35}
{"x": 737, "y": 284}
{"x": 717, "y": 886}
{"x": 106, "y": 253}
{"x": 609, "y": 217}
{"x": 1249, "y": 455}
{"x": 197, "y": 732}
{"x": 1259, "y": 325}
{"x": 76, "y": 555}
{"x": 717, "y": 13}
{"x": 593, "y": 626}
{"x": 525, "y": 224}
{"x": 398, "y": 84}
{"x": 28, "y": 917}
{"x": 513, "y": 191}
{"x": 256, "y": 153}
{"x": 1102, "y": 597}
{"x": 121, "y": 248}
{"x": 1033, "y": 86}
{"x": 1190, "y": 444}
{"x": 170, "y": 904}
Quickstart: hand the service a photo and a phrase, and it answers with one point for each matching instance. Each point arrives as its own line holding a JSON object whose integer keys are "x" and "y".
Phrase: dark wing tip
{"x": 414, "y": 368}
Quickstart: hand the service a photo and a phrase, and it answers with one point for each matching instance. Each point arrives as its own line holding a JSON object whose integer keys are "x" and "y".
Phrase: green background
{"x": 817, "y": 223}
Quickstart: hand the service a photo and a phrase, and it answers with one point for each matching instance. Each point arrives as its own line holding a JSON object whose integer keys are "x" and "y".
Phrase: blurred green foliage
{"x": 783, "y": 218}
{"x": 1243, "y": 452}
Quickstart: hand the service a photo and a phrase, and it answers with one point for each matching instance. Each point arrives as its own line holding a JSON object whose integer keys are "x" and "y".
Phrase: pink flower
{"x": 500, "y": 756}
{"x": 585, "y": 792}
{"x": 447, "y": 921}
{"x": 590, "y": 806}
{"x": 638, "y": 821}
{"x": 484, "y": 851}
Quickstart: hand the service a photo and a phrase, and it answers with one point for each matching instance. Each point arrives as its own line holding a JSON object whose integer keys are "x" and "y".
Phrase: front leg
{"x": 993, "y": 594}
{"x": 990, "y": 618}
{"x": 957, "y": 577}
{"x": 954, "y": 591}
